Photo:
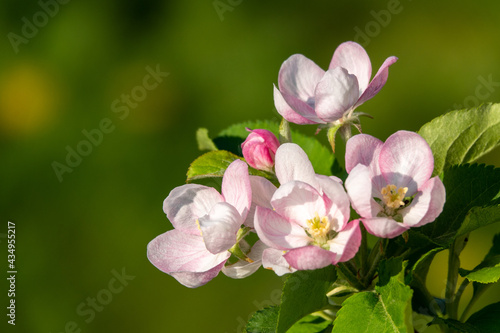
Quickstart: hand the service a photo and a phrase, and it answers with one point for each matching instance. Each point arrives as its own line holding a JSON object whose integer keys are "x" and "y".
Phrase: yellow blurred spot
{"x": 28, "y": 100}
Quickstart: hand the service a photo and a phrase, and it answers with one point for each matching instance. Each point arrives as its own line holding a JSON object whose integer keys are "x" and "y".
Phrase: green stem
{"x": 374, "y": 251}
{"x": 363, "y": 250}
{"x": 459, "y": 294}
{"x": 419, "y": 286}
{"x": 452, "y": 280}
{"x": 379, "y": 251}
{"x": 352, "y": 267}
{"x": 477, "y": 294}
{"x": 352, "y": 278}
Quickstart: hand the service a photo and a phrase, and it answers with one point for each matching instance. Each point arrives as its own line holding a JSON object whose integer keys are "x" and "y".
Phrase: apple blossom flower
{"x": 206, "y": 225}
{"x": 309, "y": 95}
{"x": 390, "y": 184}
{"x": 259, "y": 149}
{"x": 309, "y": 218}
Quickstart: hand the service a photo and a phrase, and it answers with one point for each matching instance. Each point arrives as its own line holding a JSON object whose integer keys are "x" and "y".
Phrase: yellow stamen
{"x": 199, "y": 226}
{"x": 318, "y": 227}
{"x": 393, "y": 196}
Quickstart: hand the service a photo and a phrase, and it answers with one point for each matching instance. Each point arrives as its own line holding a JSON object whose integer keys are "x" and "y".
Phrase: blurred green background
{"x": 61, "y": 76}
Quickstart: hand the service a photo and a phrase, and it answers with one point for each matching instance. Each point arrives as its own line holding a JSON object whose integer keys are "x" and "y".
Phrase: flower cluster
{"x": 302, "y": 220}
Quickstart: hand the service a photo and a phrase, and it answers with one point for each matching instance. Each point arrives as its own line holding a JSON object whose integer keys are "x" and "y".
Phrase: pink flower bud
{"x": 259, "y": 149}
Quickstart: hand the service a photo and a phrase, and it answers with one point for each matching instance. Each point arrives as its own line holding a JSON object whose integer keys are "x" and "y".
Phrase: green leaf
{"x": 456, "y": 325}
{"x": 488, "y": 271}
{"x": 481, "y": 288}
{"x": 311, "y": 324}
{"x": 264, "y": 321}
{"x": 485, "y": 274}
{"x": 215, "y": 163}
{"x": 320, "y": 156}
{"x": 413, "y": 248}
{"x": 462, "y": 136}
{"x": 421, "y": 267}
{"x": 423, "y": 301}
{"x": 304, "y": 292}
{"x": 467, "y": 186}
{"x": 486, "y": 320}
{"x": 387, "y": 309}
{"x": 204, "y": 141}
{"x": 479, "y": 217}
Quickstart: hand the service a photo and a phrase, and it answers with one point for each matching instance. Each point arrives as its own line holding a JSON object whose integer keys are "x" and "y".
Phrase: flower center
{"x": 319, "y": 229}
{"x": 393, "y": 196}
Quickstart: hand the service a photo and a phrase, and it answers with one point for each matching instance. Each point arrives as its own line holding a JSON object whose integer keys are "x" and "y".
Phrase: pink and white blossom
{"x": 205, "y": 227}
{"x": 309, "y": 95}
{"x": 259, "y": 149}
{"x": 308, "y": 220}
{"x": 390, "y": 184}
{"x": 262, "y": 192}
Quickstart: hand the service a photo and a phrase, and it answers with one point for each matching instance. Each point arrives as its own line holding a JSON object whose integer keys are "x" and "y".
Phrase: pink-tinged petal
{"x": 274, "y": 259}
{"x": 258, "y": 155}
{"x": 384, "y": 227}
{"x": 186, "y": 203}
{"x": 298, "y": 202}
{"x": 269, "y": 138}
{"x": 378, "y": 81}
{"x": 288, "y": 113}
{"x": 406, "y": 161}
{"x": 359, "y": 187}
{"x": 277, "y": 232}
{"x": 257, "y": 250}
{"x": 309, "y": 257}
{"x": 195, "y": 280}
{"x": 259, "y": 149}
{"x": 346, "y": 244}
{"x": 236, "y": 188}
{"x": 298, "y": 76}
{"x": 242, "y": 268}
{"x": 438, "y": 198}
{"x": 426, "y": 205}
{"x": 262, "y": 192}
{"x": 335, "y": 94}
{"x": 339, "y": 206}
{"x": 305, "y": 109}
{"x": 353, "y": 57}
{"x": 361, "y": 149}
{"x": 292, "y": 163}
{"x": 219, "y": 227}
{"x": 176, "y": 251}
{"x": 334, "y": 178}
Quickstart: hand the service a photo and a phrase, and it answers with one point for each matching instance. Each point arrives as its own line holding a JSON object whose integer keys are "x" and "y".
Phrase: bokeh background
{"x": 63, "y": 76}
